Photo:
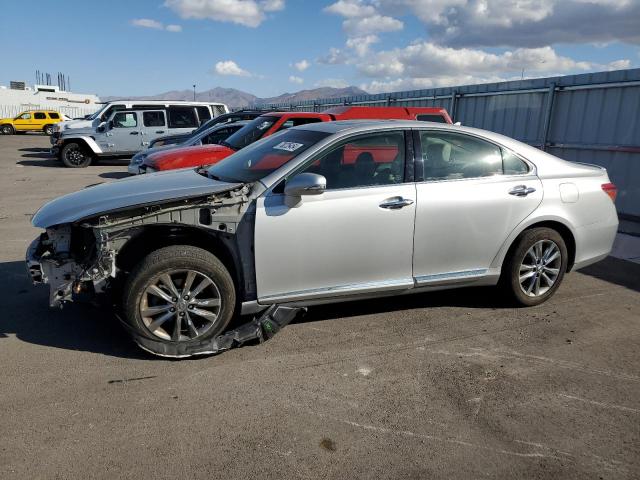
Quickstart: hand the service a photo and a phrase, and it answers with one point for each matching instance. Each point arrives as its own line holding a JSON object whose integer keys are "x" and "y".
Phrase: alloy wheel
{"x": 75, "y": 156}
{"x": 180, "y": 305}
{"x": 540, "y": 267}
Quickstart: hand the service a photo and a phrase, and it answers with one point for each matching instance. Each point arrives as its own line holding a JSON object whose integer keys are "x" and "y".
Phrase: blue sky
{"x": 151, "y": 46}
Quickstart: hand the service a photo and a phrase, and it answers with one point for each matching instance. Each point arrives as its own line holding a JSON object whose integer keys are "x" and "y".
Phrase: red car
{"x": 270, "y": 123}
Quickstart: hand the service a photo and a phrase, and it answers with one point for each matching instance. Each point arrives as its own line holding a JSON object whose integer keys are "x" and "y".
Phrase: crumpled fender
{"x": 260, "y": 328}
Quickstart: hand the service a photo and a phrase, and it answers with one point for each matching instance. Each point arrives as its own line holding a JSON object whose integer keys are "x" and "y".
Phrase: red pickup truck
{"x": 270, "y": 123}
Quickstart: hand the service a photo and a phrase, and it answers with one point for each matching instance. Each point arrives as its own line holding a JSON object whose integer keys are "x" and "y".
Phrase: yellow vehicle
{"x": 30, "y": 121}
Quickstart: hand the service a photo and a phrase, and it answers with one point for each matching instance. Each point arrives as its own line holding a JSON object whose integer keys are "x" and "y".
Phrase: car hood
{"x": 181, "y": 157}
{"x": 74, "y": 124}
{"x": 141, "y": 155}
{"x": 76, "y": 131}
{"x": 128, "y": 192}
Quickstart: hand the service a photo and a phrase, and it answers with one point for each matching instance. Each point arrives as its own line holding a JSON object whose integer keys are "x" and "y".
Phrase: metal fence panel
{"x": 592, "y": 118}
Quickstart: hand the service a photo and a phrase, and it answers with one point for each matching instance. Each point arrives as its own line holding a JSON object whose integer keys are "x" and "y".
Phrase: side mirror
{"x": 102, "y": 127}
{"x": 305, "y": 184}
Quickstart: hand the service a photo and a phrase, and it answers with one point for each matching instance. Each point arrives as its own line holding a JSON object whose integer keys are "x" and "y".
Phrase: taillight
{"x": 611, "y": 190}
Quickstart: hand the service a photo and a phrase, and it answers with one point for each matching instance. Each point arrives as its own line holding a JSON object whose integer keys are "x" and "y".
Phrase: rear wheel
{"x": 74, "y": 155}
{"x": 536, "y": 266}
{"x": 179, "y": 294}
{"x": 48, "y": 130}
{"x": 7, "y": 130}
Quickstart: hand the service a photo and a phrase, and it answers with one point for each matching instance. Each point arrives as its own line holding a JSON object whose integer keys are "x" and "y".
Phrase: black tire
{"x": 522, "y": 262}
{"x": 75, "y": 155}
{"x": 7, "y": 129}
{"x": 177, "y": 261}
{"x": 48, "y": 130}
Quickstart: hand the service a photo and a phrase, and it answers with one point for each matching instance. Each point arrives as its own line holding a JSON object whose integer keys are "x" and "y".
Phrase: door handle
{"x": 133, "y": 133}
{"x": 521, "y": 190}
{"x": 395, "y": 203}
{"x": 159, "y": 131}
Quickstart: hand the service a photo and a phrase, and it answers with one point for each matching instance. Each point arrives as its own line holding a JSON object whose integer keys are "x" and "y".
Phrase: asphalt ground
{"x": 443, "y": 385}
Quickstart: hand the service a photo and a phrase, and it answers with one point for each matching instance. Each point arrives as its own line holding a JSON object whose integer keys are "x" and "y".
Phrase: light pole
{"x": 194, "y": 93}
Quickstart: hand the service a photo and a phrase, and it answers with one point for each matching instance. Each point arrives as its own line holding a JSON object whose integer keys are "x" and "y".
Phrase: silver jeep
{"x": 124, "y": 133}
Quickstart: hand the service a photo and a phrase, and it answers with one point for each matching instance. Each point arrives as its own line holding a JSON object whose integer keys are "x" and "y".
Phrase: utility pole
{"x": 194, "y": 93}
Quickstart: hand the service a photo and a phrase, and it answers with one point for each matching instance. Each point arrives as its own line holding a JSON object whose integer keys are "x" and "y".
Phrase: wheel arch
{"x": 86, "y": 141}
{"x": 147, "y": 239}
{"x": 555, "y": 223}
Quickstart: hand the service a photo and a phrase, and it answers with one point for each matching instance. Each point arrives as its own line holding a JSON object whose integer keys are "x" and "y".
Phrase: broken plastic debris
{"x": 261, "y": 328}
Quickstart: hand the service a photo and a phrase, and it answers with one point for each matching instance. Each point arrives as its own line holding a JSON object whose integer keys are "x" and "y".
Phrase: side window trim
{"x": 419, "y": 170}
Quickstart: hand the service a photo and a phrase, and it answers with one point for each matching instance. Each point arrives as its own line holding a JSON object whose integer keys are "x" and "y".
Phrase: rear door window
{"x": 454, "y": 156}
{"x": 182, "y": 117}
{"x": 431, "y": 118}
{"x": 203, "y": 113}
{"x": 153, "y": 119}
{"x": 39, "y": 116}
{"x": 219, "y": 135}
{"x": 294, "y": 122}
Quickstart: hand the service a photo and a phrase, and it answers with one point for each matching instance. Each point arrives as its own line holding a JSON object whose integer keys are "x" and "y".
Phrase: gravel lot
{"x": 446, "y": 385}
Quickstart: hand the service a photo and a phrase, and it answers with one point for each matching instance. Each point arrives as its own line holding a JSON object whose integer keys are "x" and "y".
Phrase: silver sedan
{"x": 322, "y": 213}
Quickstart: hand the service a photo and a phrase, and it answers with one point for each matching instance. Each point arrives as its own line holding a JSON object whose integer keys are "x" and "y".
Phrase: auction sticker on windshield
{"x": 288, "y": 146}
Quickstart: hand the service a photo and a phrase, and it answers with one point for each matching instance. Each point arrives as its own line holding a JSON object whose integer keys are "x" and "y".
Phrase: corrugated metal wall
{"x": 592, "y": 118}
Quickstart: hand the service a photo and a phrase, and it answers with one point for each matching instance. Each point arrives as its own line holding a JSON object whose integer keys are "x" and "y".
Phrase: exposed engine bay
{"x": 82, "y": 257}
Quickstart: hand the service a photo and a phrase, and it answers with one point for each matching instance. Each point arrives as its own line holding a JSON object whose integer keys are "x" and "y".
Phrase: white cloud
{"x": 332, "y": 82}
{"x": 230, "y": 68}
{"x": 426, "y": 65}
{"x": 619, "y": 64}
{"x": 363, "y": 18}
{"x": 522, "y": 23}
{"x": 273, "y": 5}
{"x": 351, "y": 8}
{"x": 361, "y": 45}
{"x": 373, "y": 24}
{"x": 147, "y": 23}
{"x": 249, "y": 13}
{"x": 426, "y": 59}
{"x": 302, "y": 65}
{"x": 334, "y": 57}
{"x": 154, "y": 24}
{"x": 294, "y": 79}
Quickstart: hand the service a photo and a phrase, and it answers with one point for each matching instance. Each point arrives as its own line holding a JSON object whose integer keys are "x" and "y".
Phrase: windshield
{"x": 250, "y": 132}
{"x": 97, "y": 113}
{"x": 260, "y": 159}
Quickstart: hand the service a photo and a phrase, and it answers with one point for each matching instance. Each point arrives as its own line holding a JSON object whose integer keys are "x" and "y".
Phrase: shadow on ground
{"x": 115, "y": 175}
{"x": 87, "y": 328}
{"x": 76, "y": 327}
{"x": 615, "y": 270}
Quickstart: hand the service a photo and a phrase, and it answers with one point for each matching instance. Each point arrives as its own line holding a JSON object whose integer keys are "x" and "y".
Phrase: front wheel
{"x": 536, "y": 267}
{"x": 6, "y": 130}
{"x": 73, "y": 155}
{"x": 179, "y": 294}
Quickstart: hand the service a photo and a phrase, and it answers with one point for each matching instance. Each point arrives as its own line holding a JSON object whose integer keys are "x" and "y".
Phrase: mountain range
{"x": 237, "y": 98}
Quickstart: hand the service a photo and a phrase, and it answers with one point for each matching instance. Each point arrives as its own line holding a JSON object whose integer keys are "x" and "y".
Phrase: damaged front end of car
{"x": 93, "y": 238}
{"x": 71, "y": 268}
